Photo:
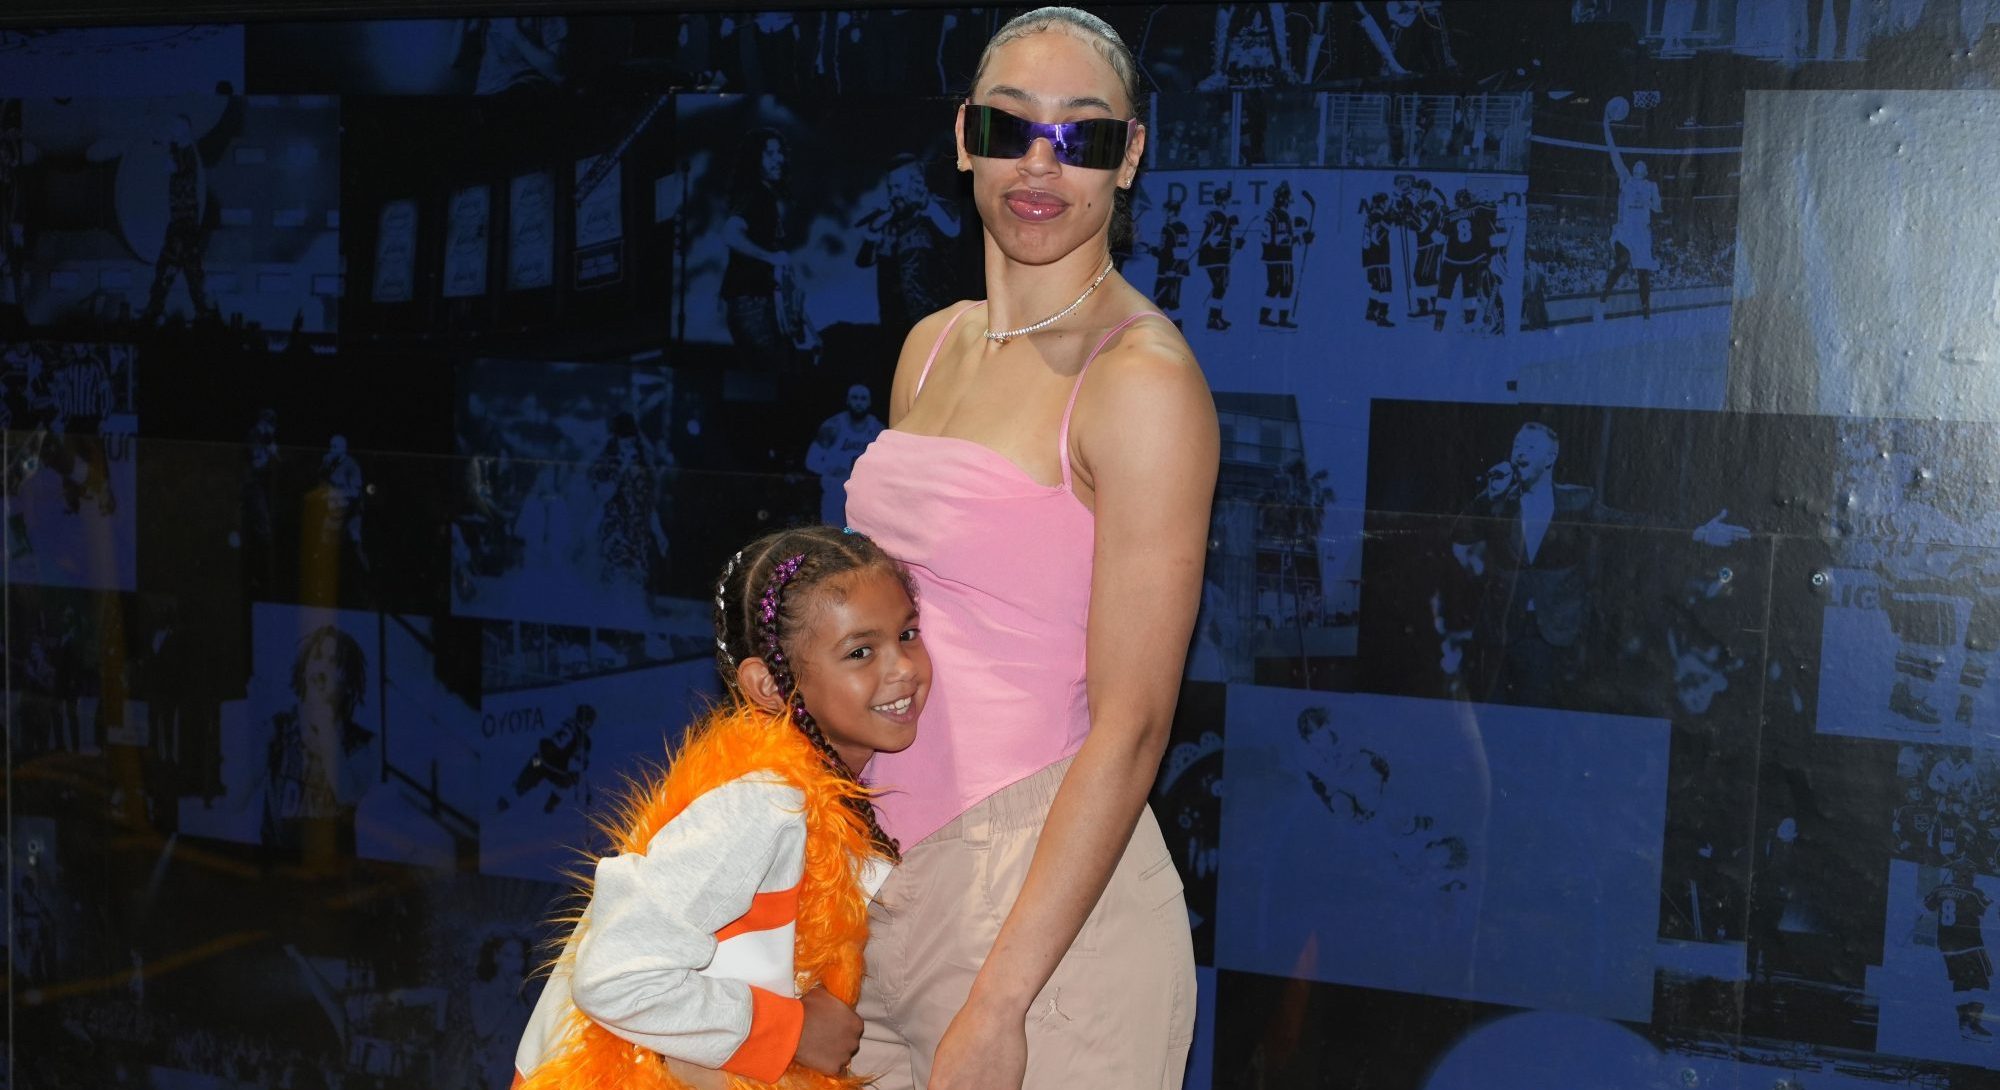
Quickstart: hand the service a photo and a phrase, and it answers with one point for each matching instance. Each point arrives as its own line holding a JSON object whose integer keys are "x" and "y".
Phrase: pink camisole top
{"x": 1002, "y": 564}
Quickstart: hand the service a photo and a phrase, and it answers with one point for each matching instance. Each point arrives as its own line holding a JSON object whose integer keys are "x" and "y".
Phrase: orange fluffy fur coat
{"x": 833, "y": 912}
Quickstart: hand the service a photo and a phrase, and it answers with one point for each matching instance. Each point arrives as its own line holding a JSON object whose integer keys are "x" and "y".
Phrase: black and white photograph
{"x": 1260, "y": 268}
{"x": 543, "y": 223}
{"x": 205, "y": 210}
{"x": 64, "y": 927}
{"x": 1936, "y": 977}
{"x": 1286, "y": 1033}
{"x": 1788, "y": 33}
{"x": 797, "y": 248}
{"x": 837, "y": 446}
{"x": 1943, "y": 816}
{"x": 449, "y": 960}
{"x": 356, "y": 735}
{"x": 120, "y": 696}
{"x": 71, "y": 476}
{"x": 1477, "y": 852}
{"x": 489, "y": 941}
{"x": 40, "y": 903}
{"x": 1819, "y": 896}
{"x": 300, "y": 998}
{"x": 857, "y": 52}
{"x": 1283, "y": 128}
{"x": 922, "y": 51}
{"x": 1269, "y": 47}
{"x": 1912, "y": 597}
{"x": 1441, "y": 262}
{"x": 498, "y": 55}
{"x": 53, "y": 657}
{"x": 1281, "y": 586}
{"x": 1196, "y": 130}
{"x": 1530, "y": 1049}
{"x": 533, "y": 654}
{"x": 303, "y": 751}
{"x": 1708, "y": 857}
{"x": 568, "y": 496}
{"x": 1631, "y": 240}
{"x": 554, "y": 759}
{"x": 1377, "y": 130}
{"x": 1525, "y": 555}
{"x": 297, "y": 512}
{"x": 293, "y": 478}
{"x": 170, "y": 59}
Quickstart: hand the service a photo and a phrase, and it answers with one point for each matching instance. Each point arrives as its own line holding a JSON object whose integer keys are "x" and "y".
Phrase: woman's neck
{"x": 1019, "y": 295}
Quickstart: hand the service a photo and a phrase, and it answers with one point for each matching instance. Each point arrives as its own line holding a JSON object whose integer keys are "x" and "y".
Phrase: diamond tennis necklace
{"x": 1003, "y": 338}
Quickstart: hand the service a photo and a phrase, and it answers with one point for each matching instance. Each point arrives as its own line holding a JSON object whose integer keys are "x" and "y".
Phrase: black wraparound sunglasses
{"x": 1097, "y": 143}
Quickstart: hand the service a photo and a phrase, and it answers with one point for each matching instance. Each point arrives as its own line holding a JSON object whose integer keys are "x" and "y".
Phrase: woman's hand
{"x": 984, "y": 1048}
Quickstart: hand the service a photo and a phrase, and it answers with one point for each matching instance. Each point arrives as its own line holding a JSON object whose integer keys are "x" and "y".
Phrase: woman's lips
{"x": 1034, "y": 205}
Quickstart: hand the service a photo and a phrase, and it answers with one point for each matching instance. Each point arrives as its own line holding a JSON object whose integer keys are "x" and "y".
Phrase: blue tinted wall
{"x": 376, "y": 423}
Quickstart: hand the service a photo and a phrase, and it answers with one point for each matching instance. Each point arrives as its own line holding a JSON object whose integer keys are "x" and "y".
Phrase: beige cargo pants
{"x": 1119, "y": 1011}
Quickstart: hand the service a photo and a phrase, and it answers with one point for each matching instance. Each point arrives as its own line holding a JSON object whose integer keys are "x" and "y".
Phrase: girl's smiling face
{"x": 1036, "y": 208}
{"x": 861, "y": 665}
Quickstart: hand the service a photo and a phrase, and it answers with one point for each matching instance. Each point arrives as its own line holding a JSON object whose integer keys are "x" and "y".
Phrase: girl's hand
{"x": 982, "y": 1049}
{"x": 830, "y": 1036}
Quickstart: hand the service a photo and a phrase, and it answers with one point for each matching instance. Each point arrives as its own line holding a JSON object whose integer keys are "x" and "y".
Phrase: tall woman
{"x": 1047, "y": 474}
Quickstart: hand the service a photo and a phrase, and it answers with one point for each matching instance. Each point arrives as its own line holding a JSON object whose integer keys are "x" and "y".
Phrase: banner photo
{"x": 531, "y": 204}
{"x": 599, "y": 198}
{"x": 467, "y": 221}
{"x": 396, "y": 252}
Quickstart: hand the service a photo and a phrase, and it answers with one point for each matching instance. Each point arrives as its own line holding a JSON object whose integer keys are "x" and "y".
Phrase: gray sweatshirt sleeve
{"x": 652, "y": 921}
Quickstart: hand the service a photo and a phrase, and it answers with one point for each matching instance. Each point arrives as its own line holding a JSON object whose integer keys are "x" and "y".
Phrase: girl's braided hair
{"x": 764, "y": 601}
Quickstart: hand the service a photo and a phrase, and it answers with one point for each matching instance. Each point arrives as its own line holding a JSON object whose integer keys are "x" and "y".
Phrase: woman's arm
{"x": 1146, "y": 438}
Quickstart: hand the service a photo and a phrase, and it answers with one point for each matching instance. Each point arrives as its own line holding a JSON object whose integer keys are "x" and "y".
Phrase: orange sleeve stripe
{"x": 775, "y": 1024}
{"x": 767, "y": 911}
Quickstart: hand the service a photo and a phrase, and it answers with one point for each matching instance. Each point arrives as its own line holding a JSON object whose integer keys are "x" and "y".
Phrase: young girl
{"x": 725, "y": 936}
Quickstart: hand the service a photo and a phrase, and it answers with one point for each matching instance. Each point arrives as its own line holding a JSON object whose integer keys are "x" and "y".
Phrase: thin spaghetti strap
{"x": 942, "y": 334}
{"x": 1062, "y": 440}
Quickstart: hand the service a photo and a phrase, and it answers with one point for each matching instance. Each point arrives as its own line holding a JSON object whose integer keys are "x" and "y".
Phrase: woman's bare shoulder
{"x": 916, "y": 353}
{"x": 1150, "y": 358}
{"x": 929, "y": 328}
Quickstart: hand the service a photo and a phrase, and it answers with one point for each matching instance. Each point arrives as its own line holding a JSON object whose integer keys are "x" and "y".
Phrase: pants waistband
{"x": 1023, "y": 804}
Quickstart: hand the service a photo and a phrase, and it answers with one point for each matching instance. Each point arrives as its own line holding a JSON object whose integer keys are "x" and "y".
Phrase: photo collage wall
{"x": 1597, "y": 675}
